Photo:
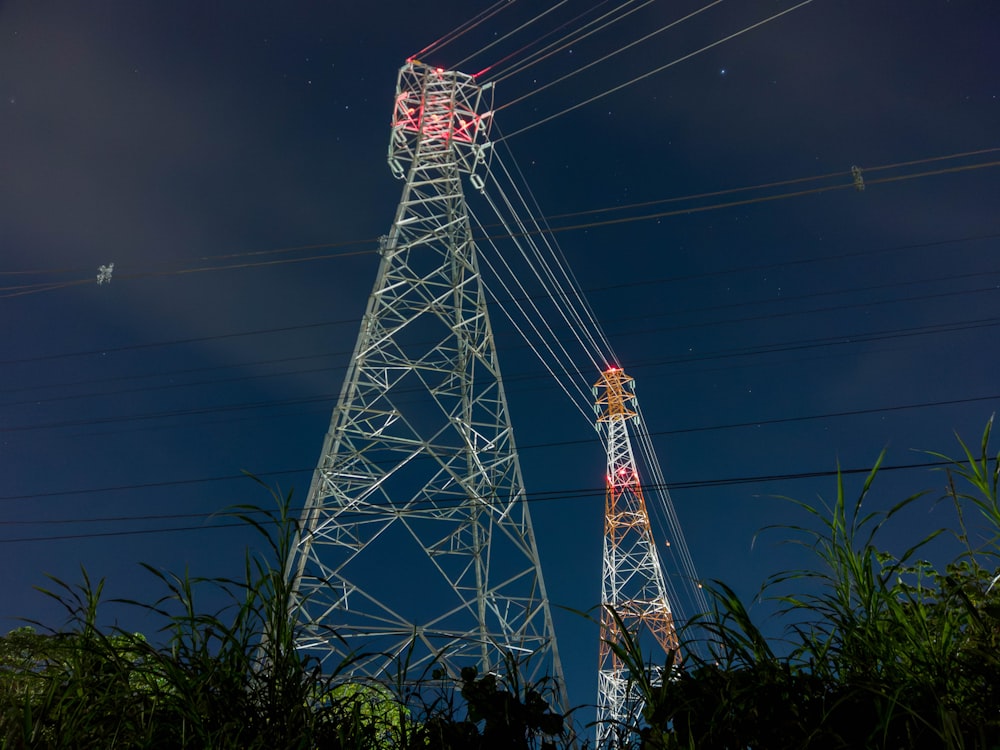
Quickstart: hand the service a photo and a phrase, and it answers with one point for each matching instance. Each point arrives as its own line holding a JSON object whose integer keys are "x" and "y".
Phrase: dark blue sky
{"x": 767, "y": 339}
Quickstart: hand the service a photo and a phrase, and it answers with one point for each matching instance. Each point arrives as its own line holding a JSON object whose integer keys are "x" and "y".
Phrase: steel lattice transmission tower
{"x": 632, "y": 582}
{"x": 416, "y": 533}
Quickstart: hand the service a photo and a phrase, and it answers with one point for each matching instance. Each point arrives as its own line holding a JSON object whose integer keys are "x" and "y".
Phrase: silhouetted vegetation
{"x": 883, "y": 651}
{"x": 234, "y": 679}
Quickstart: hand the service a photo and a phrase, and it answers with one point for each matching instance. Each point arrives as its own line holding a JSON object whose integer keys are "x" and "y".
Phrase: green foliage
{"x": 234, "y": 678}
{"x": 885, "y": 651}
{"x": 510, "y": 716}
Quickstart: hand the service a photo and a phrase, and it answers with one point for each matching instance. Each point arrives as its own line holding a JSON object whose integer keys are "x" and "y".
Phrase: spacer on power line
{"x": 104, "y": 273}
{"x": 859, "y": 180}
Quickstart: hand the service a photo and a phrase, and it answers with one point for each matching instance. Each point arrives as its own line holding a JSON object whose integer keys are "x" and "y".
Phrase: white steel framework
{"x": 632, "y": 586}
{"x": 416, "y": 542}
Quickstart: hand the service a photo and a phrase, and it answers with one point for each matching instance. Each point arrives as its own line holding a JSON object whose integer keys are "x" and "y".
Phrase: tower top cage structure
{"x": 440, "y": 110}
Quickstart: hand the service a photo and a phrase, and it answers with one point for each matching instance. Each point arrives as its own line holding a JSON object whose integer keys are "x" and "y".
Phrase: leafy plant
{"x": 884, "y": 650}
{"x": 234, "y": 678}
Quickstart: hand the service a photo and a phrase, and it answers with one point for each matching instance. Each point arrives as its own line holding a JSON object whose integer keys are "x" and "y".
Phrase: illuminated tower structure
{"x": 632, "y": 581}
{"x": 415, "y": 542}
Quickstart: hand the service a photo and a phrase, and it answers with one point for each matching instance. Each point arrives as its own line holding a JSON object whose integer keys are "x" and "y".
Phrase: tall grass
{"x": 885, "y": 650}
{"x": 233, "y": 678}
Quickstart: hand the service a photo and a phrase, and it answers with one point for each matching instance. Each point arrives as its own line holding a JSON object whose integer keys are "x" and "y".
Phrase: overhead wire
{"x": 535, "y": 497}
{"x": 327, "y": 398}
{"x": 665, "y": 502}
{"x": 21, "y": 290}
{"x": 545, "y": 342}
{"x": 36, "y": 401}
{"x": 556, "y": 296}
{"x": 526, "y": 447}
{"x": 509, "y": 34}
{"x": 553, "y": 288}
{"x": 578, "y": 307}
{"x": 573, "y": 312}
{"x": 693, "y": 599}
{"x": 550, "y": 284}
{"x": 670, "y": 523}
{"x": 26, "y": 289}
{"x": 995, "y": 289}
{"x": 552, "y": 229}
{"x": 482, "y": 74}
{"x": 667, "y": 505}
{"x": 791, "y": 262}
{"x": 583, "y": 68}
{"x": 634, "y": 282}
{"x": 578, "y": 35}
{"x": 588, "y": 343}
{"x": 841, "y": 175}
{"x": 571, "y": 371}
{"x": 176, "y": 342}
{"x": 163, "y": 373}
{"x": 765, "y": 199}
{"x": 120, "y": 276}
{"x": 463, "y": 28}
{"x": 654, "y": 71}
{"x": 833, "y": 308}
{"x": 545, "y": 362}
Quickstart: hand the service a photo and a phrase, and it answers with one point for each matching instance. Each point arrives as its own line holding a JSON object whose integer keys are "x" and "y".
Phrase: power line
{"x": 538, "y": 497}
{"x": 583, "y": 68}
{"x": 764, "y": 349}
{"x": 616, "y": 14}
{"x": 522, "y": 448}
{"x": 167, "y": 373}
{"x": 176, "y": 342}
{"x": 175, "y": 386}
{"x": 372, "y": 242}
{"x": 28, "y": 289}
{"x": 169, "y": 414}
{"x": 590, "y": 290}
{"x": 506, "y": 36}
{"x": 463, "y": 28}
{"x": 632, "y": 331}
{"x": 841, "y": 176}
{"x": 659, "y": 69}
{"x": 764, "y": 199}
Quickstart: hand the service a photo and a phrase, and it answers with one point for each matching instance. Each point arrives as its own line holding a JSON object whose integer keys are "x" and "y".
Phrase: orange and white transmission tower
{"x": 633, "y": 586}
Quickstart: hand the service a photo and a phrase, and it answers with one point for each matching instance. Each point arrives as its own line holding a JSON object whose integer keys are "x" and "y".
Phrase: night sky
{"x": 229, "y": 159}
